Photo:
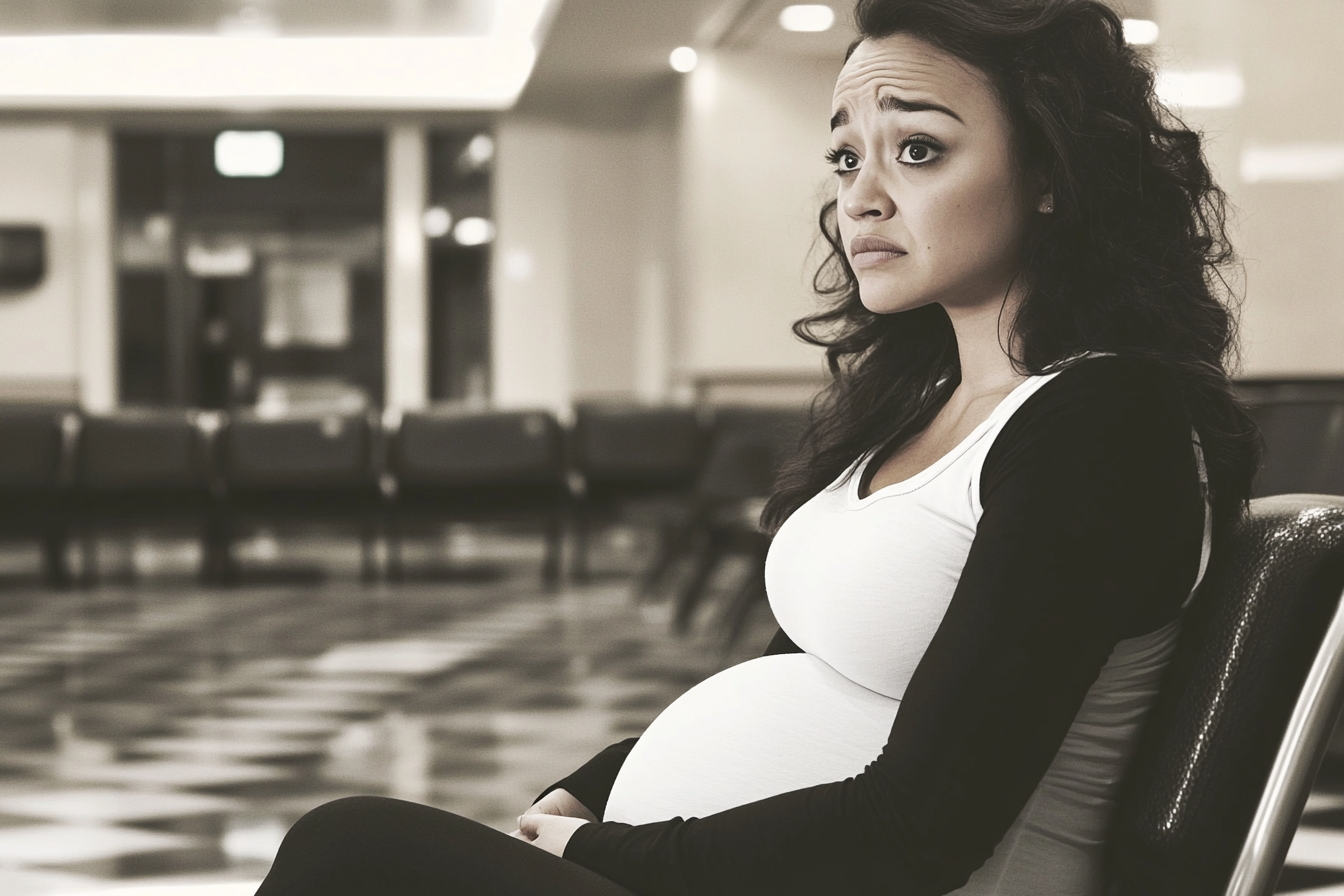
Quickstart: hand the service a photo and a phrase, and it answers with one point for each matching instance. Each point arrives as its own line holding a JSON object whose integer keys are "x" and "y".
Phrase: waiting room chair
{"x": 453, "y": 464}
{"x": 142, "y": 466}
{"x": 307, "y": 467}
{"x": 1214, "y": 792}
{"x": 635, "y": 463}
{"x": 34, "y": 474}
{"x": 748, "y": 445}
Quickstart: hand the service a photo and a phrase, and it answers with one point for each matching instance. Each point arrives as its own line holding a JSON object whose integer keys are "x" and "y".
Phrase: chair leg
{"x": 672, "y": 544}
{"x": 55, "y": 568}
{"x": 396, "y": 572}
{"x": 88, "y": 557}
{"x": 578, "y": 570}
{"x": 739, "y": 608}
{"x": 693, "y": 592}
{"x": 368, "y": 550}
{"x": 555, "y": 536}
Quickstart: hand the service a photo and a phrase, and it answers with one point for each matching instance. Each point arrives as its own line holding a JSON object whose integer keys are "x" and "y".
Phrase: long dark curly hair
{"x": 1131, "y": 261}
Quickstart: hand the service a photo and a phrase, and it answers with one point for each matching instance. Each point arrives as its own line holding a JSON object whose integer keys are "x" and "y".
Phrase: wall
{"x": 754, "y": 131}
{"x": 38, "y": 356}
{"x": 585, "y": 250}
{"x": 55, "y": 339}
{"x": 1290, "y": 235}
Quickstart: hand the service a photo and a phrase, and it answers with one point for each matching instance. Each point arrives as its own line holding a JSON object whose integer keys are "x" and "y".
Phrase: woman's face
{"x": 932, "y": 205}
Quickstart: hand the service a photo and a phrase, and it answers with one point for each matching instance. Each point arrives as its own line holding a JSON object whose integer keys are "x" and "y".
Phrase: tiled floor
{"x": 158, "y": 732}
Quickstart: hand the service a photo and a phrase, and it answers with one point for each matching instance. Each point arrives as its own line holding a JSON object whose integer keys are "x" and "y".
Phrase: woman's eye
{"x": 917, "y": 153}
{"x": 844, "y": 161}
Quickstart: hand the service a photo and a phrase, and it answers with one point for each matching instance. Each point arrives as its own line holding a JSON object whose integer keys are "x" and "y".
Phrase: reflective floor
{"x": 152, "y": 731}
{"x": 155, "y": 731}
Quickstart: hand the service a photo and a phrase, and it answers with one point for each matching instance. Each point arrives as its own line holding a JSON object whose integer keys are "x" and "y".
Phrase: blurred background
{"x": 388, "y": 387}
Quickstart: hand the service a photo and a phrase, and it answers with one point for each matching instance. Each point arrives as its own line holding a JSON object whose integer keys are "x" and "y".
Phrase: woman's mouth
{"x": 867, "y": 251}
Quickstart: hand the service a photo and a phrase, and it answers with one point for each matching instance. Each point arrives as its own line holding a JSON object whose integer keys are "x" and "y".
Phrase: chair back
{"x": 748, "y": 445}
{"x": 447, "y": 448}
{"x": 31, "y": 448}
{"x": 1304, "y": 446}
{"x": 142, "y": 450}
{"x": 302, "y": 452}
{"x": 1201, "y": 774}
{"x": 631, "y": 447}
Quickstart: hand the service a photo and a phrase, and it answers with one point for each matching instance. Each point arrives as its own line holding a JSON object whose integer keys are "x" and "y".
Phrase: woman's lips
{"x": 867, "y": 251}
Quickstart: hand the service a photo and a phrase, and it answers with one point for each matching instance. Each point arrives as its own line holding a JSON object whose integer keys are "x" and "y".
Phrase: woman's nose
{"x": 866, "y": 198}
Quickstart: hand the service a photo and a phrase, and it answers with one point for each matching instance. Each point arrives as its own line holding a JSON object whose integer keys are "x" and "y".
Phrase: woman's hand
{"x": 550, "y": 832}
{"x": 561, "y": 802}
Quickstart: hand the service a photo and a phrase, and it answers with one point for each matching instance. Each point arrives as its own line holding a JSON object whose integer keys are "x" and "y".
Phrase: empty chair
{"x": 452, "y": 464}
{"x": 1215, "y": 789}
{"x": 1304, "y": 447}
{"x": 636, "y": 463}
{"x": 138, "y": 467}
{"x": 314, "y": 467}
{"x": 748, "y": 445}
{"x": 33, "y": 472}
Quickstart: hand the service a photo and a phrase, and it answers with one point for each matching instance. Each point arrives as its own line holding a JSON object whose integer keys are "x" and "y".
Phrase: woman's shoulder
{"x": 1108, "y": 389}
{"x": 1101, "y": 405}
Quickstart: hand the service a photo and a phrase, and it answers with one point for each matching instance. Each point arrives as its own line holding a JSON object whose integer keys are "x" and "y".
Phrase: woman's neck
{"x": 984, "y": 334}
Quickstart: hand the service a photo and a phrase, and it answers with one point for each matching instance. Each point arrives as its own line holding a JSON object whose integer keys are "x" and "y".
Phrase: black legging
{"x": 374, "y": 846}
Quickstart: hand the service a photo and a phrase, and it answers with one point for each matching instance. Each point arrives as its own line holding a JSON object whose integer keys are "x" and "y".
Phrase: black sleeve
{"x": 591, "y": 783}
{"x": 1090, "y": 533}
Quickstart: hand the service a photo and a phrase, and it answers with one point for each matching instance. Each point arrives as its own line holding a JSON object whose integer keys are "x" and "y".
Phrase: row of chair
{"x": 64, "y": 473}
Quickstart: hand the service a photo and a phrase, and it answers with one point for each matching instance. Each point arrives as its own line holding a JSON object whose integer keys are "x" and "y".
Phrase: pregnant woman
{"x": 983, "y": 546}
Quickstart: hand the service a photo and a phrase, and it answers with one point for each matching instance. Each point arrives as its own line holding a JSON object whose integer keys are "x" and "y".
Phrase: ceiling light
{"x": 474, "y": 232}
{"x": 684, "y": 59}
{"x": 1292, "y": 162}
{"x": 1220, "y": 88}
{"x": 274, "y": 71}
{"x": 249, "y": 153}
{"x": 477, "y": 154}
{"x": 807, "y": 17}
{"x": 1140, "y": 31}
{"x": 436, "y": 221}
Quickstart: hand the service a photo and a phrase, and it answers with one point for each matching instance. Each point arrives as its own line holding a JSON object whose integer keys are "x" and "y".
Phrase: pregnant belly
{"x": 767, "y": 726}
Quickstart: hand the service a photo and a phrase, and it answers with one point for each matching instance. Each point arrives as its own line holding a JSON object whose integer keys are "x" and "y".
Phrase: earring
{"x": 1047, "y": 205}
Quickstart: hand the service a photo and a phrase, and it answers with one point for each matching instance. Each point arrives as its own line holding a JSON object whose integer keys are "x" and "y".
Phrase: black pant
{"x": 373, "y": 846}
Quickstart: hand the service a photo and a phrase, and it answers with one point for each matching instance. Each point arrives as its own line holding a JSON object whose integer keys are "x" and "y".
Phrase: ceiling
{"x": 288, "y": 17}
{"x": 603, "y": 58}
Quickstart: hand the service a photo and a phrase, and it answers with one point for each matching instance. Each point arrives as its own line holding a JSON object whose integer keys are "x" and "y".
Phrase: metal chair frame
{"x": 1295, "y": 765}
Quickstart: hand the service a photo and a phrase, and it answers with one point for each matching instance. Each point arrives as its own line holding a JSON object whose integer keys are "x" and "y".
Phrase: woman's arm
{"x": 1090, "y": 533}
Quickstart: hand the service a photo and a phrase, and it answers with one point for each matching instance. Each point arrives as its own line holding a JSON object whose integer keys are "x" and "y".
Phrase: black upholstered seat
{"x": 455, "y": 464}
{"x": 33, "y": 473}
{"x": 141, "y": 466}
{"x": 1216, "y": 788}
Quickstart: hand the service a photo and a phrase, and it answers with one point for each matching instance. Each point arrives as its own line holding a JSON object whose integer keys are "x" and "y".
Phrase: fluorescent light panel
{"x": 1217, "y": 88}
{"x": 199, "y": 71}
{"x": 1141, "y": 31}
{"x": 249, "y": 153}
{"x": 807, "y": 17}
{"x": 1292, "y": 162}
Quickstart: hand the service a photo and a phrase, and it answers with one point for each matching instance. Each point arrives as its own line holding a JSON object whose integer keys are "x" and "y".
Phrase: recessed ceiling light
{"x": 807, "y": 17}
{"x": 684, "y": 59}
{"x": 436, "y": 221}
{"x": 1141, "y": 31}
{"x": 249, "y": 153}
{"x": 474, "y": 232}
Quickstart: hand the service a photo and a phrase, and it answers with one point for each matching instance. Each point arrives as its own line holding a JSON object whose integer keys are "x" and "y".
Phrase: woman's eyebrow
{"x": 889, "y": 103}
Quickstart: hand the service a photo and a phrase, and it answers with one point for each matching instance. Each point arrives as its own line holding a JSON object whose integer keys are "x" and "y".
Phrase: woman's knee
{"x": 350, "y": 819}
